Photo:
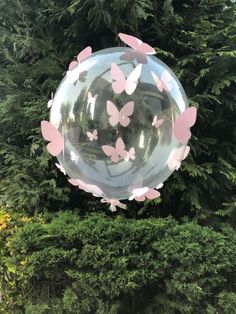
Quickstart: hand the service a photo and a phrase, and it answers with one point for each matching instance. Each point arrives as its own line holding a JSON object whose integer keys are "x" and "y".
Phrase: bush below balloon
{"x": 119, "y": 123}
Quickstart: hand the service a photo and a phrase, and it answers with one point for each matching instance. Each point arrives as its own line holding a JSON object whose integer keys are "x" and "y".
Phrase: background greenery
{"x": 52, "y": 262}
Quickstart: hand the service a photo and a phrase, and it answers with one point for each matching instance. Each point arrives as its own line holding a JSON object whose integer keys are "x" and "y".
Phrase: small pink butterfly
{"x": 130, "y": 154}
{"x": 91, "y": 98}
{"x": 121, "y": 116}
{"x": 136, "y": 44}
{"x": 140, "y": 194}
{"x": 120, "y": 83}
{"x": 59, "y": 166}
{"x": 90, "y": 188}
{"x": 183, "y": 123}
{"x": 176, "y": 156}
{"x": 84, "y": 54}
{"x": 157, "y": 122}
{"x": 163, "y": 83}
{"x": 113, "y": 203}
{"x": 49, "y": 105}
{"x": 51, "y": 134}
{"x": 115, "y": 152}
{"x": 92, "y": 136}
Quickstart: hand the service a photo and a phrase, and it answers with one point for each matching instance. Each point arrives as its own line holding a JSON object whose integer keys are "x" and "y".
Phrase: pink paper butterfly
{"x": 130, "y": 154}
{"x": 136, "y": 44}
{"x": 90, "y": 188}
{"x": 157, "y": 122}
{"x": 140, "y": 194}
{"x": 93, "y": 136}
{"x": 178, "y": 155}
{"x": 120, "y": 83}
{"x": 51, "y": 134}
{"x": 84, "y": 54}
{"x": 163, "y": 83}
{"x": 59, "y": 166}
{"x": 115, "y": 152}
{"x": 91, "y": 98}
{"x": 121, "y": 116}
{"x": 183, "y": 123}
{"x": 49, "y": 105}
{"x": 113, "y": 203}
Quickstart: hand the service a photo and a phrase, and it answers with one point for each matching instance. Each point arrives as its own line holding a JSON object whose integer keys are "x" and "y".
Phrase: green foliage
{"x": 67, "y": 264}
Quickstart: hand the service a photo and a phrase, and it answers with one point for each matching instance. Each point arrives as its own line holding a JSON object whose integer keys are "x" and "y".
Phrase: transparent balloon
{"x": 88, "y": 113}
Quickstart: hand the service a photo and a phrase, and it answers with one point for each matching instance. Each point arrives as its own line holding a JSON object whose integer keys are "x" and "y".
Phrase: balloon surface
{"x": 124, "y": 122}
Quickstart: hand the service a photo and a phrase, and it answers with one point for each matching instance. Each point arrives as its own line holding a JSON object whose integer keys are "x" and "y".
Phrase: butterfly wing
{"x": 182, "y": 124}
{"x": 89, "y": 135}
{"x": 84, "y": 54}
{"x": 166, "y": 80}
{"x": 119, "y": 82}
{"x": 158, "y": 82}
{"x": 125, "y": 113}
{"x": 129, "y": 40}
{"x": 136, "y": 44}
{"x": 120, "y": 148}
{"x": 132, "y": 80}
{"x": 95, "y": 134}
{"x": 94, "y": 189}
{"x": 111, "y": 152}
{"x": 51, "y": 134}
{"x": 113, "y": 113}
{"x": 151, "y": 194}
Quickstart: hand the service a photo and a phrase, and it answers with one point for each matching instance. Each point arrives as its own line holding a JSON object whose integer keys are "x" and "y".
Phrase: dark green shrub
{"x": 101, "y": 265}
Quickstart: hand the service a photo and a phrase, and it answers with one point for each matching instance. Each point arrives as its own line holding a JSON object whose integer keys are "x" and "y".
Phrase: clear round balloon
{"x": 118, "y": 141}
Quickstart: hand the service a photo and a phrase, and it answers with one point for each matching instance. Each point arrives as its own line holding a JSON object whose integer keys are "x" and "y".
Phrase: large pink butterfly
{"x": 94, "y": 189}
{"x": 92, "y": 136}
{"x": 84, "y": 54}
{"x": 183, "y": 123}
{"x": 140, "y": 194}
{"x": 163, "y": 83}
{"x": 115, "y": 152}
{"x": 157, "y": 122}
{"x": 121, "y": 116}
{"x": 51, "y": 134}
{"x": 136, "y": 44}
{"x": 178, "y": 155}
{"x": 120, "y": 83}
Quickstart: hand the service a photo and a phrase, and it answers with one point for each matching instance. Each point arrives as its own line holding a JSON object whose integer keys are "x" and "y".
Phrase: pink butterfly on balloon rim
{"x": 90, "y": 188}
{"x": 120, "y": 83}
{"x": 121, "y": 116}
{"x": 118, "y": 152}
{"x": 183, "y": 123}
{"x": 84, "y": 54}
{"x": 91, "y": 99}
{"x": 164, "y": 83}
{"x": 140, "y": 194}
{"x": 140, "y": 49}
{"x": 92, "y": 136}
{"x": 177, "y": 156}
{"x": 51, "y": 134}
